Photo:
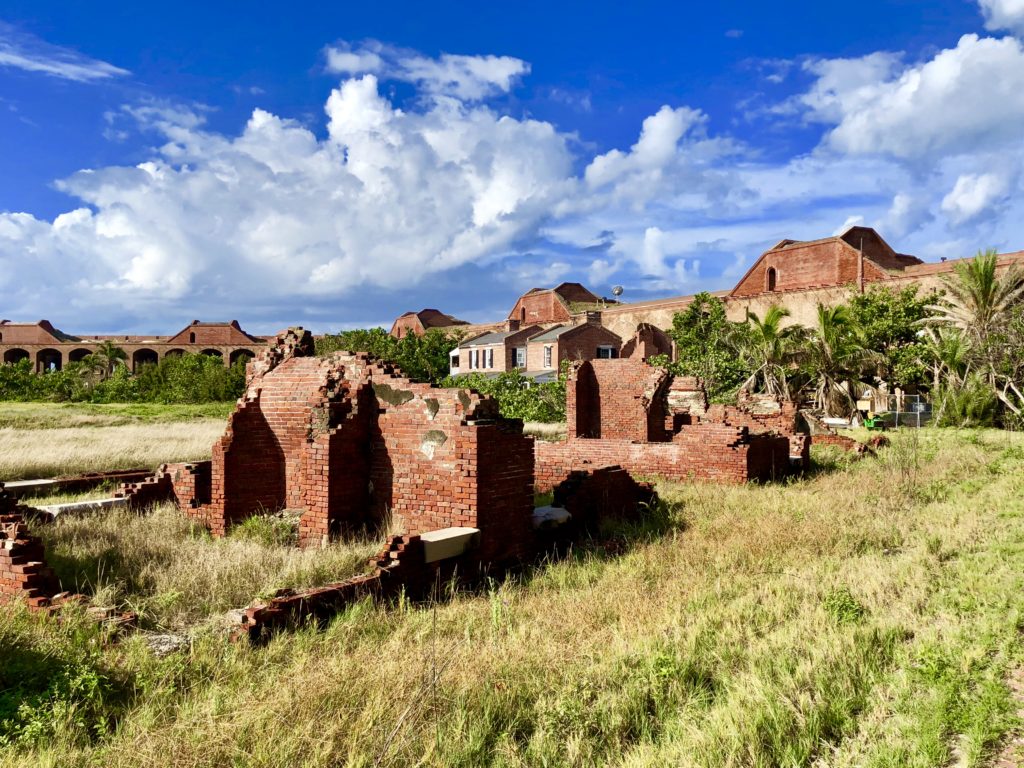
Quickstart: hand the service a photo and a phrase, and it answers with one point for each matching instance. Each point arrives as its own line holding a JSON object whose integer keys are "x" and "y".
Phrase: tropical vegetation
{"x": 963, "y": 347}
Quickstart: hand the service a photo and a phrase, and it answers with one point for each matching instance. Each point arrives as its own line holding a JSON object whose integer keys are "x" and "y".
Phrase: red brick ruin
{"x": 351, "y": 445}
{"x": 349, "y": 442}
{"x": 23, "y": 570}
{"x": 629, "y": 413}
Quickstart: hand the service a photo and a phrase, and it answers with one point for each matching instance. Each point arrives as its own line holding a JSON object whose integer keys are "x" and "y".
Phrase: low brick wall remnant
{"x": 23, "y": 570}
{"x": 629, "y": 413}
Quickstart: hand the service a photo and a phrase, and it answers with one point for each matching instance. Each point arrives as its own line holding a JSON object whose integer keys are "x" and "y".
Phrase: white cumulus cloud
{"x": 964, "y": 97}
{"x": 468, "y": 78}
{"x": 975, "y": 195}
{"x": 1003, "y": 14}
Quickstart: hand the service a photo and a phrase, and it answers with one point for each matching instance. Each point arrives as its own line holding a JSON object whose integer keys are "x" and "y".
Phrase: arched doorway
{"x": 174, "y": 353}
{"x": 241, "y": 354}
{"x": 48, "y": 360}
{"x": 770, "y": 278}
{"x": 141, "y": 357}
{"x": 78, "y": 355}
{"x": 15, "y": 355}
{"x": 212, "y": 352}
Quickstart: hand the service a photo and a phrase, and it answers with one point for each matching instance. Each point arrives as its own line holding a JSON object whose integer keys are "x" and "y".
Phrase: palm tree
{"x": 835, "y": 358}
{"x": 105, "y": 359}
{"x": 947, "y": 354}
{"x": 768, "y": 349}
{"x": 980, "y": 303}
{"x": 978, "y": 300}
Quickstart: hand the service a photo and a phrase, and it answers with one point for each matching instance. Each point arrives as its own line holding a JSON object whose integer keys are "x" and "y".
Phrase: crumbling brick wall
{"x": 350, "y": 442}
{"x": 620, "y": 399}
{"x": 629, "y": 413}
{"x": 647, "y": 341}
{"x": 23, "y": 570}
{"x": 709, "y": 452}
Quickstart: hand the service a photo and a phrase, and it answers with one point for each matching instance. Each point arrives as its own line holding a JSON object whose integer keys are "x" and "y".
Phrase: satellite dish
{"x": 617, "y": 290}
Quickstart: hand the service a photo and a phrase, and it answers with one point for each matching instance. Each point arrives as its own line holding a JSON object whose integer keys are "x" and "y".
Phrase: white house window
{"x": 521, "y": 357}
{"x": 607, "y": 352}
{"x": 547, "y": 356}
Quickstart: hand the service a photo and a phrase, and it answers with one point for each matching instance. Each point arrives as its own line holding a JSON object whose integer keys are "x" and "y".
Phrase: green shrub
{"x": 185, "y": 379}
{"x": 518, "y": 396}
{"x": 843, "y": 607}
{"x": 972, "y": 404}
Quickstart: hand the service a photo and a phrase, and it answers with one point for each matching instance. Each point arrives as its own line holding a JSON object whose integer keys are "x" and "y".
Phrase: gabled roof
{"x": 551, "y": 334}
{"x": 856, "y": 238}
{"x": 435, "y": 318}
{"x": 41, "y": 332}
{"x": 498, "y": 337}
{"x": 495, "y": 337}
{"x": 232, "y": 332}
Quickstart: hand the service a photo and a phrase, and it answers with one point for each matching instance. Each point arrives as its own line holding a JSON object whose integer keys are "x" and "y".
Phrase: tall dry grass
{"x": 545, "y": 431}
{"x": 37, "y": 453}
{"x": 173, "y": 573}
{"x": 867, "y": 615}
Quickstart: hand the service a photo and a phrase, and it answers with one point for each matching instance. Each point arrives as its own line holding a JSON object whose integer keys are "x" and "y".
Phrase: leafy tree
{"x": 769, "y": 350}
{"x": 421, "y": 358}
{"x": 105, "y": 359}
{"x": 426, "y": 357}
{"x": 518, "y": 396}
{"x": 705, "y": 341}
{"x": 978, "y": 300}
{"x": 373, "y": 341}
{"x": 889, "y": 322}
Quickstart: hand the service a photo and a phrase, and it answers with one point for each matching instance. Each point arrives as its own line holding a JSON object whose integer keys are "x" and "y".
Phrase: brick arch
{"x": 144, "y": 356}
{"x": 49, "y": 359}
{"x": 16, "y": 355}
{"x": 238, "y": 354}
{"x": 78, "y": 355}
{"x": 176, "y": 352}
{"x": 212, "y": 352}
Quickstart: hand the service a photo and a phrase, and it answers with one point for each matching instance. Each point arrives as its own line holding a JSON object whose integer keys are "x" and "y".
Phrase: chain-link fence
{"x": 898, "y": 410}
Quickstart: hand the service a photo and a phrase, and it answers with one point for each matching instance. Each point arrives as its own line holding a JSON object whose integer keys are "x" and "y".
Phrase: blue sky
{"x": 333, "y": 167}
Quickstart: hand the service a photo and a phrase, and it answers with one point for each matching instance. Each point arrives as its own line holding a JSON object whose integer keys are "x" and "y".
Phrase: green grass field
{"x": 868, "y": 615}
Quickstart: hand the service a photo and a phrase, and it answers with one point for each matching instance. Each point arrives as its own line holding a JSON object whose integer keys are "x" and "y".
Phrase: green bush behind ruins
{"x": 175, "y": 379}
{"x": 425, "y": 358}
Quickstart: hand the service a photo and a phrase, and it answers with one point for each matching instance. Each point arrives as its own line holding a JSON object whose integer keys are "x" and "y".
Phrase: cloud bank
{"x": 381, "y": 200}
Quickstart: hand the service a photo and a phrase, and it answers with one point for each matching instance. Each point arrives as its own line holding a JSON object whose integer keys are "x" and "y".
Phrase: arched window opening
{"x": 770, "y": 279}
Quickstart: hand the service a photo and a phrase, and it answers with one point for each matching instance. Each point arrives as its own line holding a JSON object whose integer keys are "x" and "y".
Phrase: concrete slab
{"x": 84, "y": 507}
{"x": 550, "y": 517}
{"x": 448, "y": 542}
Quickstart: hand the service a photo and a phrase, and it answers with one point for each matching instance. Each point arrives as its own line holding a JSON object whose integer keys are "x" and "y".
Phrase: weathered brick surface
{"x": 23, "y": 571}
{"x": 841, "y": 441}
{"x": 647, "y": 341}
{"x": 617, "y": 400}
{"x": 579, "y": 342}
{"x": 350, "y": 442}
{"x": 606, "y": 493}
{"x": 629, "y": 413}
{"x": 716, "y": 453}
